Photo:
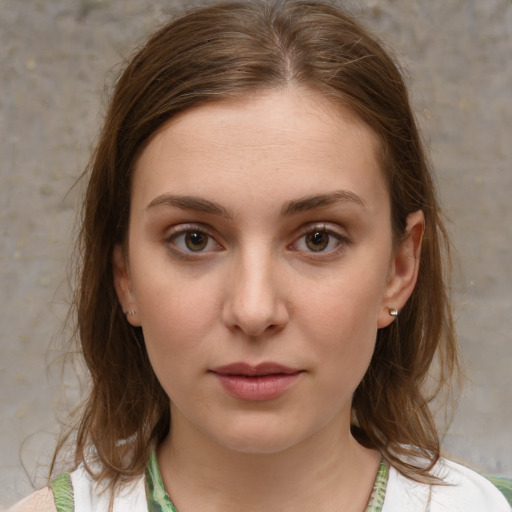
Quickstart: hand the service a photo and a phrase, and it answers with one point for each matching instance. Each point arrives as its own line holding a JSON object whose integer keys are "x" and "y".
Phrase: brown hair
{"x": 223, "y": 51}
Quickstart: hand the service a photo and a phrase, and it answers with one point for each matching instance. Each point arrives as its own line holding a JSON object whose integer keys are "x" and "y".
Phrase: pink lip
{"x": 256, "y": 383}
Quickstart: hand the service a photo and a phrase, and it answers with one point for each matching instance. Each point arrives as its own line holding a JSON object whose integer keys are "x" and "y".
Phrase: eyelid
{"x": 328, "y": 228}
{"x": 181, "y": 229}
{"x": 187, "y": 226}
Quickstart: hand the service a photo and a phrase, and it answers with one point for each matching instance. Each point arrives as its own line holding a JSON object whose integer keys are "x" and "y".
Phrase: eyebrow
{"x": 307, "y": 203}
{"x": 290, "y": 208}
{"x": 197, "y": 204}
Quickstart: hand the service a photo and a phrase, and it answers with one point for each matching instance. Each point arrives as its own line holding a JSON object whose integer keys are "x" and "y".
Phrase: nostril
{"x": 254, "y": 300}
{"x": 255, "y": 324}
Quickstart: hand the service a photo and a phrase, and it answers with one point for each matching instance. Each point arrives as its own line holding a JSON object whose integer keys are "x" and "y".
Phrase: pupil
{"x": 195, "y": 241}
{"x": 318, "y": 240}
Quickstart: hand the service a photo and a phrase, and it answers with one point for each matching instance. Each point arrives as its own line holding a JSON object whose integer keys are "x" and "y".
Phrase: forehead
{"x": 292, "y": 139}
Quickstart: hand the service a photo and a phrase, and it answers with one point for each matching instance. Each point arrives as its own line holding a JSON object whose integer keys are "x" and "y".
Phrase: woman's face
{"x": 260, "y": 265}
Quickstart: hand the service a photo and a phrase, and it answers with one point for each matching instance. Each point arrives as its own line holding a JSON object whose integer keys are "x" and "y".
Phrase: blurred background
{"x": 57, "y": 63}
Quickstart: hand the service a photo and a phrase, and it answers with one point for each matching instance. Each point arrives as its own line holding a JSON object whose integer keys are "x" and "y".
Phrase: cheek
{"x": 346, "y": 304}
{"x": 176, "y": 314}
{"x": 345, "y": 348}
{"x": 168, "y": 293}
{"x": 341, "y": 317}
{"x": 346, "y": 335}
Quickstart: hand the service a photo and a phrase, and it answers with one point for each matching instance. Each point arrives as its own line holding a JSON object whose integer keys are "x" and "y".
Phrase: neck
{"x": 329, "y": 471}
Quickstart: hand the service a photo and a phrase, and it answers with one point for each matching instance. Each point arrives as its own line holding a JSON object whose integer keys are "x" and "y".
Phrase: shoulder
{"x": 504, "y": 485}
{"x": 464, "y": 491}
{"x": 79, "y": 492}
{"x": 39, "y": 501}
{"x": 89, "y": 496}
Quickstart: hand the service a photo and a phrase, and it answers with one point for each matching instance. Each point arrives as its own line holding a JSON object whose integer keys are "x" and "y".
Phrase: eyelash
{"x": 182, "y": 230}
{"x": 341, "y": 241}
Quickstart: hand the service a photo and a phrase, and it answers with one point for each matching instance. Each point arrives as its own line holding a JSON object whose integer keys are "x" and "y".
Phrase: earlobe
{"x": 123, "y": 286}
{"x": 403, "y": 270}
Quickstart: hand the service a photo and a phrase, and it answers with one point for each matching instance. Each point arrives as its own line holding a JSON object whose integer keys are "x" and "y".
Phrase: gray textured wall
{"x": 54, "y": 57}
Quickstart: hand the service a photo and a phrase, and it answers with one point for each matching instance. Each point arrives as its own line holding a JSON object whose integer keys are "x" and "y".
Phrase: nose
{"x": 255, "y": 302}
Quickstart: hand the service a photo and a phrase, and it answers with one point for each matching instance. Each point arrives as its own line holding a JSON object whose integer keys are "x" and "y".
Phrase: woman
{"x": 262, "y": 290}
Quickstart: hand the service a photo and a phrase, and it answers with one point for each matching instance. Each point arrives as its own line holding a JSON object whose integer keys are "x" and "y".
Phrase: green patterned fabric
{"x": 63, "y": 493}
{"x": 504, "y": 485}
{"x": 159, "y": 501}
{"x": 379, "y": 489}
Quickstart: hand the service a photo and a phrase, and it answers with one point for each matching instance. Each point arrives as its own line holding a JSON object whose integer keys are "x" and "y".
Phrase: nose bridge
{"x": 255, "y": 300}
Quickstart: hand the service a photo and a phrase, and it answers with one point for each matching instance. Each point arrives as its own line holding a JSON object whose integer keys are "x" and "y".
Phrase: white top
{"x": 466, "y": 491}
{"x": 130, "y": 498}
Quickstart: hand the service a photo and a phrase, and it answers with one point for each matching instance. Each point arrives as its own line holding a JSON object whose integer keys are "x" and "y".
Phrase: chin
{"x": 259, "y": 446}
{"x": 264, "y": 439}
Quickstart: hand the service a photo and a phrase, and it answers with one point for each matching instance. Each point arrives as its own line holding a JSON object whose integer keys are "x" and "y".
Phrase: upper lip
{"x": 248, "y": 370}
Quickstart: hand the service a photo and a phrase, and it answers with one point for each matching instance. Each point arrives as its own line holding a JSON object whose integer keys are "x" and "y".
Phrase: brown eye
{"x": 317, "y": 240}
{"x": 196, "y": 241}
{"x": 187, "y": 240}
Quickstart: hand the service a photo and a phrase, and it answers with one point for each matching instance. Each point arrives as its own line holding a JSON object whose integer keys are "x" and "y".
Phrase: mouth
{"x": 260, "y": 370}
{"x": 264, "y": 381}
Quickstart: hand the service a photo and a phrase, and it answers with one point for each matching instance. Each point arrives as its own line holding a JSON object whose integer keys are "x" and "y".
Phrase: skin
{"x": 39, "y": 501}
{"x": 257, "y": 288}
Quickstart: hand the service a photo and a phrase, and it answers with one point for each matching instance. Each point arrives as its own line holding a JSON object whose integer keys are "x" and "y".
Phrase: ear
{"x": 404, "y": 269}
{"x": 123, "y": 285}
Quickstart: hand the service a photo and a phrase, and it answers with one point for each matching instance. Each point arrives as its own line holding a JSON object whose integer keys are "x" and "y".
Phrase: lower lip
{"x": 257, "y": 388}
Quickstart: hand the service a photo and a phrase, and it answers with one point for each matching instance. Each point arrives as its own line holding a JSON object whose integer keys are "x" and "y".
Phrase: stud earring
{"x": 393, "y": 312}
{"x": 129, "y": 312}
